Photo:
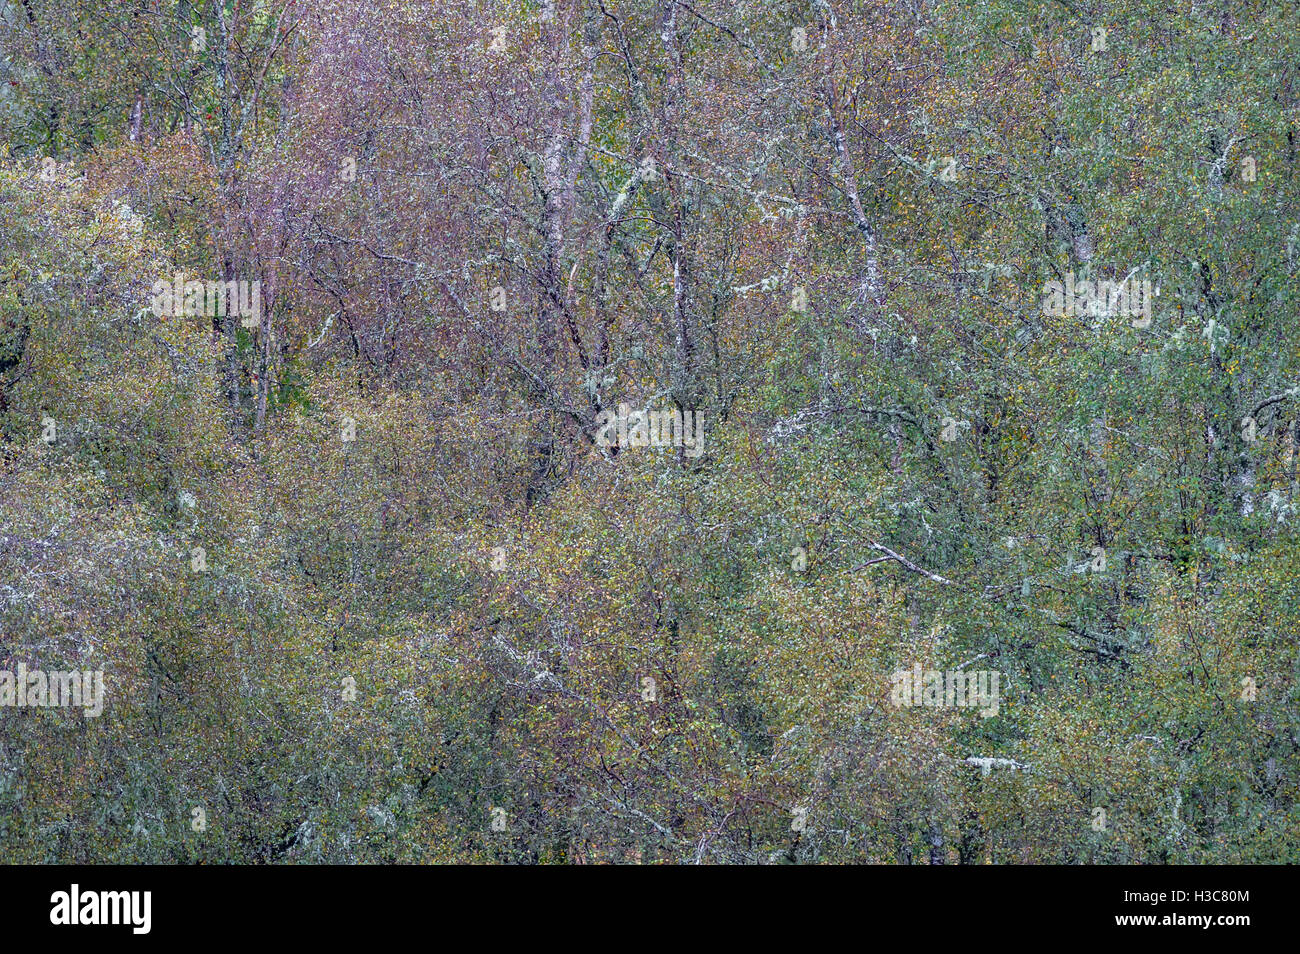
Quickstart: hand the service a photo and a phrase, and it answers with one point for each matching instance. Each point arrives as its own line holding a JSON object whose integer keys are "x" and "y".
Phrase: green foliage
{"x": 437, "y": 621}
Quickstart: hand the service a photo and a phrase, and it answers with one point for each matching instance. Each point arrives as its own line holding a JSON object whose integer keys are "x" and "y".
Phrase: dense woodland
{"x": 369, "y": 582}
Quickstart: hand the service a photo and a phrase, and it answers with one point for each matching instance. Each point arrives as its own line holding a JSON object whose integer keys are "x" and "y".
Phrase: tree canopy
{"x": 969, "y": 328}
